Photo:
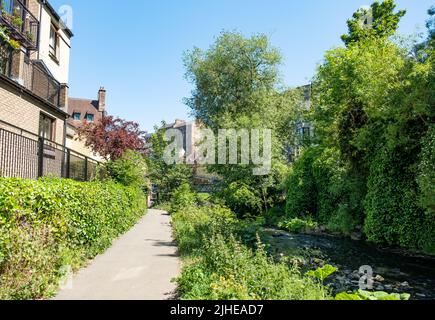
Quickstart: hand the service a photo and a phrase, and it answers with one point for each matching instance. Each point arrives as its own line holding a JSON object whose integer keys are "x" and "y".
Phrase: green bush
{"x": 393, "y": 214}
{"x": 302, "y": 189}
{"x": 426, "y": 178}
{"x": 51, "y": 224}
{"x": 242, "y": 198}
{"x": 129, "y": 170}
{"x": 297, "y": 225}
{"x": 274, "y": 215}
{"x": 203, "y": 199}
{"x": 367, "y": 295}
{"x": 220, "y": 267}
{"x": 322, "y": 187}
{"x": 192, "y": 223}
{"x": 183, "y": 197}
{"x": 388, "y": 203}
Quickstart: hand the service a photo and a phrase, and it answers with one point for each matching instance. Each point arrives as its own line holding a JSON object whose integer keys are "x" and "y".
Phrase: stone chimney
{"x": 102, "y": 99}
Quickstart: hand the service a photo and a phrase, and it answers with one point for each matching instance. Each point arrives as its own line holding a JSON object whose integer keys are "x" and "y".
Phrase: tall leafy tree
{"x": 374, "y": 109}
{"x": 431, "y": 23}
{"x": 380, "y": 20}
{"x": 236, "y": 77}
{"x": 236, "y": 85}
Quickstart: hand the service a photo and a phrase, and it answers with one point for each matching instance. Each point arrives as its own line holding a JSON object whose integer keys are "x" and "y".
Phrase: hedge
{"x": 393, "y": 204}
{"x": 50, "y": 226}
{"x": 393, "y": 213}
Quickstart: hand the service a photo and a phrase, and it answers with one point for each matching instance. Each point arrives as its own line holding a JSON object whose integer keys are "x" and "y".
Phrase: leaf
{"x": 348, "y": 296}
{"x": 322, "y": 273}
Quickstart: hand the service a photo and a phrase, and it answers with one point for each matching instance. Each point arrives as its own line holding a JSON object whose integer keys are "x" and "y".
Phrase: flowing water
{"x": 392, "y": 271}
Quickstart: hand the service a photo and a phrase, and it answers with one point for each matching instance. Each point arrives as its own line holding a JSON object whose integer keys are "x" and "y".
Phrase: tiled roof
{"x": 84, "y": 107}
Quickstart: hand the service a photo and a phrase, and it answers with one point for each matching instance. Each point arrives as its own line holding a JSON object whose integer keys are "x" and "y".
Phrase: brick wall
{"x": 79, "y": 146}
{"x": 33, "y": 6}
{"x": 22, "y": 110}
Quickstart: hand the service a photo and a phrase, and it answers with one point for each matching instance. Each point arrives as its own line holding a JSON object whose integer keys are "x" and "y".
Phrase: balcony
{"x": 30, "y": 74}
{"x": 37, "y": 78}
{"x": 22, "y": 24}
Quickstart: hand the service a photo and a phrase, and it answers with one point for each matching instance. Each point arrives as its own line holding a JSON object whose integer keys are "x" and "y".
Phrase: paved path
{"x": 139, "y": 266}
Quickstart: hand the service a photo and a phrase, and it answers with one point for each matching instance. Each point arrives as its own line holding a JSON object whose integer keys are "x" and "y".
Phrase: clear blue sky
{"x": 134, "y": 47}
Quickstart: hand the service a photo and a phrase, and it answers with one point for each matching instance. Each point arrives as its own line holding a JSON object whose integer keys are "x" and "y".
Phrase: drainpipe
{"x": 65, "y": 125}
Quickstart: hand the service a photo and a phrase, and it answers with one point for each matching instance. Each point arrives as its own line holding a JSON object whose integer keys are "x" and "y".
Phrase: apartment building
{"x": 304, "y": 129}
{"x": 34, "y": 69}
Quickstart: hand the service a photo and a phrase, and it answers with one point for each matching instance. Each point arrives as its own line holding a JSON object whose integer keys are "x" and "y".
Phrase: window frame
{"x": 92, "y": 115}
{"x": 306, "y": 132}
{"x": 76, "y": 113}
{"x": 54, "y": 52}
{"x": 51, "y": 134}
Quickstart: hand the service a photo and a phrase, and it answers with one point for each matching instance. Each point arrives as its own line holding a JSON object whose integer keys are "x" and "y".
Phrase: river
{"x": 392, "y": 271}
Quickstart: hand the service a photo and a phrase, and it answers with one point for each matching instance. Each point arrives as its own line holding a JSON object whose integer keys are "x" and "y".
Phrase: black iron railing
{"x": 25, "y": 155}
{"x": 36, "y": 79}
{"x": 30, "y": 74}
{"x": 21, "y": 22}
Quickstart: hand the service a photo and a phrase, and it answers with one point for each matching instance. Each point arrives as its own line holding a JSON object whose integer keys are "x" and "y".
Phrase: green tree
{"x": 130, "y": 169}
{"x": 236, "y": 86}
{"x": 236, "y": 77}
{"x": 374, "y": 106}
{"x": 166, "y": 177}
{"x": 431, "y": 23}
{"x": 380, "y": 21}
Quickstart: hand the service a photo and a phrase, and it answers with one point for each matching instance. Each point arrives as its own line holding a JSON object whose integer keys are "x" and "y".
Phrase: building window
{"x": 54, "y": 41}
{"x": 90, "y": 117}
{"x": 76, "y": 116}
{"x": 46, "y": 127}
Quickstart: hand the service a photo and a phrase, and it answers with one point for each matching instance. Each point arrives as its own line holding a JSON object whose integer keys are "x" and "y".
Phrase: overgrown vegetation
{"x": 129, "y": 170}
{"x": 235, "y": 87}
{"x": 50, "y": 226}
{"x": 218, "y": 264}
{"x": 371, "y": 166}
{"x": 166, "y": 177}
{"x": 368, "y": 168}
{"x": 298, "y": 225}
{"x": 224, "y": 259}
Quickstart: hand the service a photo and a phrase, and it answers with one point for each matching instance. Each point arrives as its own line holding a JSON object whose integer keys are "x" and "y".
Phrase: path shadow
{"x": 169, "y": 255}
{"x": 172, "y": 296}
{"x": 160, "y": 243}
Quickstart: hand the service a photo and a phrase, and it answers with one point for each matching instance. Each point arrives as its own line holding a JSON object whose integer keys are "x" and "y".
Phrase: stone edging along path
{"x": 139, "y": 266}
